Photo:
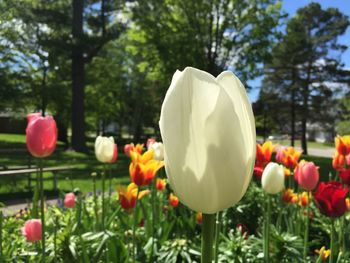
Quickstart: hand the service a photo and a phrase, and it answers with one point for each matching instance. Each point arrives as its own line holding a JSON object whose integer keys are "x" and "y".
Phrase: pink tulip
{"x": 280, "y": 154}
{"x": 149, "y": 143}
{"x": 32, "y": 230}
{"x": 127, "y": 149}
{"x": 306, "y": 174}
{"x": 115, "y": 154}
{"x": 69, "y": 200}
{"x": 33, "y": 116}
{"x": 41, "y": 135}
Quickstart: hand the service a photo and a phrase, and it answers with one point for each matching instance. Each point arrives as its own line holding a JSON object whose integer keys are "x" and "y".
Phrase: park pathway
{"x": 320, "y": 152}
{"x": 15, "y": 208}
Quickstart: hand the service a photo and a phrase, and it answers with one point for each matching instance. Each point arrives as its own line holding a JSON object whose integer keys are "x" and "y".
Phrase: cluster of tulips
{"x": 297, "y": 182}
{"x": 209, "y": 154}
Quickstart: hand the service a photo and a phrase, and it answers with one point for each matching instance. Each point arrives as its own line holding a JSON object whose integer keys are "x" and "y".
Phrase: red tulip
{"x": 344, "y": 174}
{"x": 69, "y": 200}
{"x": 173, "y": 200}
{"x": 306, "y": 174}
{"x": 160, "y": 184}
{"x": 258, "y": 171}
{"x": 41, "y": 135}
{"x": 32, "y": 230}
{"x": 330, "y": 198}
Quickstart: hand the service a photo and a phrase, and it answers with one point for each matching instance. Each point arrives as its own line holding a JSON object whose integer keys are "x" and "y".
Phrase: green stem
{"x": 343, "y": 223}
{"x": 103, "y": 196}
{"x": 208, "y": 232}
{"x": 134, "y": 250}
{"x": 331, "y": 257}
{"x": 306, "y": 235}
{"x": 95, "y": 200}
{"x": 153, "y": 189}
{"x": 55, "y": 238}
{"x": 267, "y": 230}
{"x": 1, "y": 222}
{"x": 217, "y": 236}
{"x": 42, "y": 207}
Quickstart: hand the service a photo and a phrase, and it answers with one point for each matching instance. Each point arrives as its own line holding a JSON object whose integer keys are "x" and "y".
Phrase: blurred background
{"x": 103, "y": 67}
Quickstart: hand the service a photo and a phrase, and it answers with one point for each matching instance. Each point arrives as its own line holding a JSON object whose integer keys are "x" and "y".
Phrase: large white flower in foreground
{"x": 208, "y": 132}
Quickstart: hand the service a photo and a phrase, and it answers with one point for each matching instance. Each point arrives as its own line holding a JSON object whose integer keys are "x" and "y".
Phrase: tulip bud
{"x": 32, "y": 230}
{"x": 306, "y": 174}
{"x": 209, "y": 165}
{"x": 69, "y": 200}
{"x": 160, "y": 184}
{"x": 272, "y": 179}
{"x": 199, "y": 218}
{"x": 149, "y": 143}
{"x": 344, "y": 175}
{"x": 158, "y": 149}
{"x": 127, "y": 149}
{"x": 41, "y": 135}
{"x": 173, "y": 200}
{"x": 280, "y": 154}
{"x": 105, "y": 149}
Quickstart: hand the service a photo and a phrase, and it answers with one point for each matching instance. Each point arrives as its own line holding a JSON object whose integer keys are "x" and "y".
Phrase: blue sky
{"x": 290, "y": 7}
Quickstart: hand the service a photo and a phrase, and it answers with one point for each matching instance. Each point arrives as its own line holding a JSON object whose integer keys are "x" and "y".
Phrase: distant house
{"x": 13, "y": 122}
{"x": 320, "y": 133}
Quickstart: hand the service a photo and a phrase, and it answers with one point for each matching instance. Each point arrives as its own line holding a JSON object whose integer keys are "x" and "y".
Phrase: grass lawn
{"x": 13, "y": 153}
{"x": 81, "y": 176}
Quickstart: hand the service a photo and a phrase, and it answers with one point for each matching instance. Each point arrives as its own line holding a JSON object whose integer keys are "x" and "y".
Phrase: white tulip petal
{"x": 207, "y": 127}
{"x": 272, "y": 179}
{"x": 104, "y": 149}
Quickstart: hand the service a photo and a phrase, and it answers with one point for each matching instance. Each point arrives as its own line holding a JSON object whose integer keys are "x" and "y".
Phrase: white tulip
{"x": 208, "y": 132}
{"x": 158, "y": 150}
{"x": 272, "y": 179}
{"x": 105, "y": 149}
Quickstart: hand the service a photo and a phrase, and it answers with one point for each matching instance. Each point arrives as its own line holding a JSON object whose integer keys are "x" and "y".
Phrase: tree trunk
{"x": 44, "y": 92}
{"x": 78, "y": 72}
{"x": 62, "y": 129}
{"x": 305, "y": 109}
{"x": 292, "y": 138}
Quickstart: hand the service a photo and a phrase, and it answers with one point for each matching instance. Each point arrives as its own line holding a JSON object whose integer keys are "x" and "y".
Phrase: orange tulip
{"x": 160, "y": 184}
{"x": 324, "y": 253}
{"x": 132, "y": 148}
{"x": 143, "y": 168}
{"x": 173, "y": 200}
{"x": 303, "y": 199}
{"x": 263, "y": 157}
{"x": 347, "y": 202}
{"x": 342, "y": 144}
{"x": 263, "y": 153}
{"x": 287, "y": 195}
{"x": 199, "y": 218}
{"x": 338, "y": 161}
{"x": 128, "y": 196}
{"x": 290, "y": 157}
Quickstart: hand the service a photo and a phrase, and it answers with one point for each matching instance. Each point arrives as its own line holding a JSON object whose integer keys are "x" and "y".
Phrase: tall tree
{"x": 212, "y": 35}
{"x": 101, "y": 22}
{"x": 307, "y": 60}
